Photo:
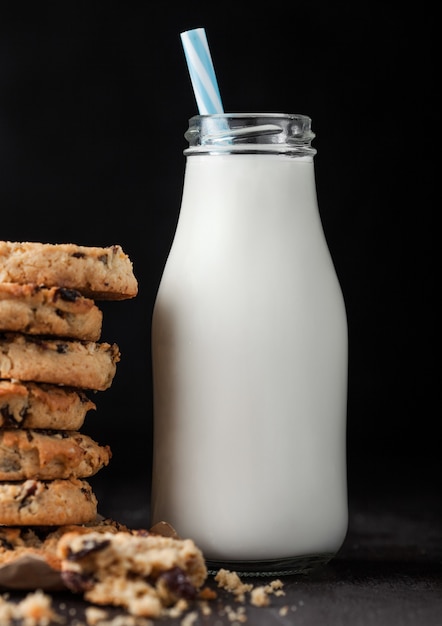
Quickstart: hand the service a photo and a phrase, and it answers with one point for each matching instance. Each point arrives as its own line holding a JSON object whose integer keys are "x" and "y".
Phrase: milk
{"x": 249, "y": 349}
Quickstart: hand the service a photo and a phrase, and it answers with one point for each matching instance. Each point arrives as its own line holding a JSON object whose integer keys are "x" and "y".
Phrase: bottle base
{"x": 273, "y": 567}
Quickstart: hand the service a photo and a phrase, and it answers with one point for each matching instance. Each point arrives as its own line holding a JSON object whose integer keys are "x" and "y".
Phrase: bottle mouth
{"x": 250, "y": 132}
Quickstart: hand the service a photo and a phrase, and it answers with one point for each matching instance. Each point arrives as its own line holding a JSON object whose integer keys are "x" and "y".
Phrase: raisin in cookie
{"x": 40, "y": 405}
{"x": 144, "y": 573}
{"x": 83, "y": 364}
{"x": 58, "y": 311}
{"x": 49, "y": 454}
{"x": 47, "y": 503}
{"x": 101, "y": 273}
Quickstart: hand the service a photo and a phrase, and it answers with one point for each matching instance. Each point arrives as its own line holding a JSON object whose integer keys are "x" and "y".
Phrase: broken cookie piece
{"x": 141, "y": 572}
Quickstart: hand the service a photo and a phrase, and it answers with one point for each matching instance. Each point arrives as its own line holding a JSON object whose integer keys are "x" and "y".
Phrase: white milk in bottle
{"x": 249, "y": 349}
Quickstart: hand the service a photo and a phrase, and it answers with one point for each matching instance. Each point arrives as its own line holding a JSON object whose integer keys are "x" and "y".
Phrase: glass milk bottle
{"x": 249, "y": 348}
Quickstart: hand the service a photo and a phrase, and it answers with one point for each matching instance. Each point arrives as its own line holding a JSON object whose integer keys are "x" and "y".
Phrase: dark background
{"x": 94, "y": 102}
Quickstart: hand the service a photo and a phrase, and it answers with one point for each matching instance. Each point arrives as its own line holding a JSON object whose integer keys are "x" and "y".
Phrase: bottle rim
{"x": 287, "y": 133}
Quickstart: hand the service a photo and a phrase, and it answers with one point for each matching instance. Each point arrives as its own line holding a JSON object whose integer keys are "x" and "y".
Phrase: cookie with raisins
{"x": 50, "y": 454}
{"x": 144, "y": 573}
{"x": 17, "y": 542}
{"x": 47, "y": 502}
{"x": 37, "y": 310}
{"x": 83, "y": 364}
{"x": 41, "y": 405}
{"x": 100, "y": 273}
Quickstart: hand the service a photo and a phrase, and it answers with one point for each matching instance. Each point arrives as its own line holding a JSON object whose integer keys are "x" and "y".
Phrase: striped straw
{"x": 202, "y": 73}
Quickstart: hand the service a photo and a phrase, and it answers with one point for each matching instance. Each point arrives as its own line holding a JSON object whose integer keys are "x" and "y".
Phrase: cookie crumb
{"x": 177, "y": 609}
{"x": 205, "y": 608}
{"x": 100, "y": 617}
{"x": 34, "y": 610}
{"x": 259, "y": 597}
{"x": 94, "y": 615}
{"x": 207, "y": 594}
{"x": 230, "y": 581}
{"x": 237, "y": 616}
{"x": 189, "y": 619}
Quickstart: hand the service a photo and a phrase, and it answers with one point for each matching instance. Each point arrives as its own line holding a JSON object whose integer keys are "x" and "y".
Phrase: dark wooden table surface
{"x": 388, "y": 572}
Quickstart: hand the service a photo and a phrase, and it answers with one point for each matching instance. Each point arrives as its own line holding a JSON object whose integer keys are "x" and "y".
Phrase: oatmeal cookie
{"x": 47, "y": 503}
{"x": 40, "y": 405}
{"x": 58, "y": 311}
{"x": 49, "y": 454}
{"x": 100, "y": 273}
{"x": 19, "y": 541}
{"x": 83, "y": 364}
{"x": 144, "y": 573}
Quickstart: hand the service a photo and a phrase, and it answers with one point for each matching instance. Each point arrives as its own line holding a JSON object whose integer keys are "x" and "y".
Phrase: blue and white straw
{"x": 202, "y": 73}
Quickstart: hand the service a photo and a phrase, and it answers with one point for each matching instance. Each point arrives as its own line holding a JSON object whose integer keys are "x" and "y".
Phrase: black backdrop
{"x": 94, "y": 101}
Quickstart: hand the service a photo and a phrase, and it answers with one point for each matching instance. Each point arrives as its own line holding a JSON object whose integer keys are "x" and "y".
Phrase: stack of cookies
{"x": 50, "y": 358}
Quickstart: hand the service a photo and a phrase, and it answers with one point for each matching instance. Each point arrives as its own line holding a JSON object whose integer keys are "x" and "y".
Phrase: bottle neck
{"x": 250, "y": 133}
